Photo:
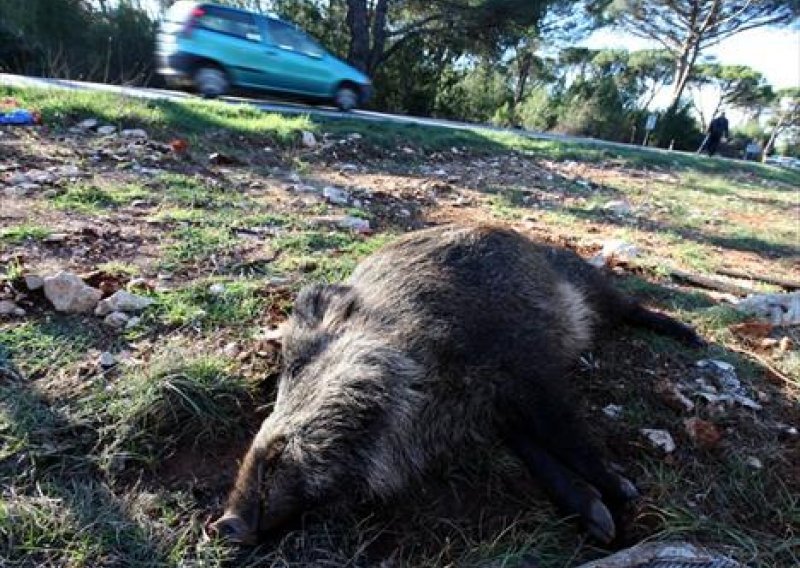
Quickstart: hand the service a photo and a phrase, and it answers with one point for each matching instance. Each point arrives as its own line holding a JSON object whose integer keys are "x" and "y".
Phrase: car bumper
{"x": 175, "y": 66}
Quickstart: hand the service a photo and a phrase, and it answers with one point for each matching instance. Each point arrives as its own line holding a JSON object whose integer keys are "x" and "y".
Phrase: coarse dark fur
{"x": 448, "y": 337}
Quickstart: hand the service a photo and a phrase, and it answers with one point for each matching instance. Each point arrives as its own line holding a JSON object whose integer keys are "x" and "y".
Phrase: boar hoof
{"x": 232, "y": 528}
{"x": 599, "y": 522}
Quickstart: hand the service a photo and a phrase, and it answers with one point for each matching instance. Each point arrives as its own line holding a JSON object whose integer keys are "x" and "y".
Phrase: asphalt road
{"x": 296, "y": 108}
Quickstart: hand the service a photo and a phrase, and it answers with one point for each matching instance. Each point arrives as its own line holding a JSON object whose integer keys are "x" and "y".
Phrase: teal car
{"x": 217, "y": 48}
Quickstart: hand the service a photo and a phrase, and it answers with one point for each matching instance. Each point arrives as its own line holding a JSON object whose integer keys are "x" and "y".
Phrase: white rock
{"x": 106, "y": 130}
{"x": 133, "y": 322}
{"x": 354, "y": 136}
{"x": 116, "y": 320}
{"x": 18, "y": 178}
{"x": 88, "y": 124}
{"x": 618, "y": 207}
{"x": 8, "y": 308}
{"x": 122, "y": 301}
{"x": 107, "y": 359}
{"x": 68, "y": 293}
{"x": 354, "y": 223}
{"x": 134, "y": 133}
{"x": 619, "y": 249}
{"x": 754, "y": 462}
{"x": 216, "y": 289}
{"x": 407, "y": 150}
{"x": 33, "y": 281}
{"x": 335, "y": 195}
{"x": 309, "y": 140}
{"x": 660, "y": 439}
{"x": 613, "y": 411}
{"x": 778, "y": 309}
{"x": 231, "y": 349}
{"x": 40, "y": 176}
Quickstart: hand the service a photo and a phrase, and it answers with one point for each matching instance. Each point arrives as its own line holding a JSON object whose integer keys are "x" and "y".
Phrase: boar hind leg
{"x": 637, "y": 315}
{"x": 571, "y": 494}
{"x": 545, "y": 416}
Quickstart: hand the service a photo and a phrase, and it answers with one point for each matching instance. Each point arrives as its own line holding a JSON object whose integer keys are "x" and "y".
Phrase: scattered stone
{"x": 33, "y": 282}
{"x": 106, "y": 130}
{"x": 107, "y": 360}
{"x": 335, "y": 195}
{"x": 727, "y": 388}
{"x": 615, "y": 250}
{"x": 308, "y": 139}
{"x": 116, "y": 320}
{"x": 348, "y": 168}
{"x": 666, "y": 555}
{"x": 18, "y": 178}
{"x": 619, "y": 207}
{"x": 122, "y": 301}
{"x": 216, "y": 289}
{"x": 55, "y": 238}
{"x": 231, "y": 349}
{"x": 754, "y": 462}
{"x": 660, "y": 439}
{"x": 355, "y": 224}
{"x": 88, "y": 124}
{"x": 703, "y": 433}
{"x": 407, "y": 150}
{"x": 785, "y": 344}
{"x": 133, "y": 322}
{"x": 68, "y": 293}
{"x": 134, "y": 133}
{"x": 778, "y": 309}
{"x": 9, "y": 308}
{"x": 354, "y": 136}
{"x": 613, "y": 411}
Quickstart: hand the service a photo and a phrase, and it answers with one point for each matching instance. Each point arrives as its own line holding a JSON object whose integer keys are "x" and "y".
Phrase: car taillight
{"x": 192, "y": 22}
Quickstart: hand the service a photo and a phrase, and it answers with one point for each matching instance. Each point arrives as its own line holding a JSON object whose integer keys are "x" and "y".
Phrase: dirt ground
{"x": 93, "y": 456}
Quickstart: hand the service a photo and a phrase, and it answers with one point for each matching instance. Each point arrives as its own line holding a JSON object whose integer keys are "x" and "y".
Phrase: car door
{"x": 234, "y": 39}
{"x": 299, "y": 65}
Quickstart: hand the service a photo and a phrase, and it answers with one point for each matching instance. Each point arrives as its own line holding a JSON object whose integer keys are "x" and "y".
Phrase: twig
{"x": 710, "y": 283}
{"x": 783, "y": 379}
{"x": 783, "y": 283}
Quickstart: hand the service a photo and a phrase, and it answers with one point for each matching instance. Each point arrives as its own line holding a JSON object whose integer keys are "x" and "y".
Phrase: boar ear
{"x": 317, "y": 301}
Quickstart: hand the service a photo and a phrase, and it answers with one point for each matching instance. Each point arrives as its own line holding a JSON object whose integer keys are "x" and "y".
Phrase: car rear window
{"x": 230, "y": 22}
{"x": 287, "y": 37}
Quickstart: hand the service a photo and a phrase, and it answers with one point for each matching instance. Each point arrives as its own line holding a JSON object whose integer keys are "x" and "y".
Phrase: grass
{"x": 26, "y": 232}
{"x": 123, "y": 466}
{"x": 93, "y": 199}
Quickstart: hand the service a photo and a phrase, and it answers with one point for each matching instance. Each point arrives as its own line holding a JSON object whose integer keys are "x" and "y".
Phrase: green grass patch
{"x": 93, "y": 199}
{"x": 239, "y": 304}
{"x": 177, "y": 398}
{"x": 19, "y": 234}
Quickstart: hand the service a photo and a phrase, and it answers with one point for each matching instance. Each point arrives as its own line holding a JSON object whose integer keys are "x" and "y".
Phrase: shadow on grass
{"x": 761, "y": 247}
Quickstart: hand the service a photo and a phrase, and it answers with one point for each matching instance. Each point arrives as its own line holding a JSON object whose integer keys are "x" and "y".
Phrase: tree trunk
{"x": 378, "y": 35}
{"x": 523, "y": 72}
{"x": 683, "y": 69}
{"x": 358, "y": 21}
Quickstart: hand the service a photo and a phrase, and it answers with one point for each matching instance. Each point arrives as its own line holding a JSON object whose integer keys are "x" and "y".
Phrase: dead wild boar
{"x": 447, "y": 337}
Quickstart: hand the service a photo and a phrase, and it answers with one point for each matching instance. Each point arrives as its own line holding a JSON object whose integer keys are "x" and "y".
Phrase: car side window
{"x": 288, "y": 38}
{"x": 232, "y": 23}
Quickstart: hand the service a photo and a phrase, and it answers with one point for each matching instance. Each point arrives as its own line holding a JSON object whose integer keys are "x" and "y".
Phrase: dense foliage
{"x": 507, "y": 62}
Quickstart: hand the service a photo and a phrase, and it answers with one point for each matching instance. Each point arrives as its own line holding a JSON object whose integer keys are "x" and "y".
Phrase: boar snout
{"x": 234, "y": 529}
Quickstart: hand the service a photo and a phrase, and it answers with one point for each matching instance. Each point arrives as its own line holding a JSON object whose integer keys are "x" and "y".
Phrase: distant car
{"x": 215, "y": 48}
{"x": 785, "y": 161}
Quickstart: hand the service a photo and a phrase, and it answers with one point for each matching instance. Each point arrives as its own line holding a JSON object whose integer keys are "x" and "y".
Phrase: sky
{"x": 773, "y": 52}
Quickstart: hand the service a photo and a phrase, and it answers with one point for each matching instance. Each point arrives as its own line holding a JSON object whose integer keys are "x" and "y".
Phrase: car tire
{"x": 211, "y": 82}
{"x": 346, "y": 98}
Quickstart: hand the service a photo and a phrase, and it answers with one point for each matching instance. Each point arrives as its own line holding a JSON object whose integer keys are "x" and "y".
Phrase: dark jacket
{"x": 719, "y": 127}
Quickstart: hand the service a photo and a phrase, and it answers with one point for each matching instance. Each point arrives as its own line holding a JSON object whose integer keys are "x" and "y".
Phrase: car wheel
{"x": 346, "y": 98}
{"x": 211, "y": 81}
